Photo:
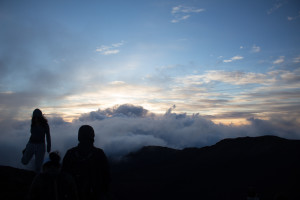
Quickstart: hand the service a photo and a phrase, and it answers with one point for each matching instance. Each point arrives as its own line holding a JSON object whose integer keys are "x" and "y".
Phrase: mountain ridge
{"x": 225, "y": 170}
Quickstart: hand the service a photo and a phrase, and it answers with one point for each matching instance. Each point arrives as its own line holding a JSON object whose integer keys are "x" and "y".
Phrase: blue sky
{"x": 226, "y": 60}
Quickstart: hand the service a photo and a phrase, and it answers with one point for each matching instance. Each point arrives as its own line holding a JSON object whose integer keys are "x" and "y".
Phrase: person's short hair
{"x": 86, "y": 133}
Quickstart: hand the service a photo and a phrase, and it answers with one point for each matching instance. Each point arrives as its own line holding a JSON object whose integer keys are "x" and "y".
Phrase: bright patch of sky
{"x": 209, "y": 57}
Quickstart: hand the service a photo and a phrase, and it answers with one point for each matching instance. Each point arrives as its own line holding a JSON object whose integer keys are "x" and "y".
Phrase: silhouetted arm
{"x": 48, "y": 137}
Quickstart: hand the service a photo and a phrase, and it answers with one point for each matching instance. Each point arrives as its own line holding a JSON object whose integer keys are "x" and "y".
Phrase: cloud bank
{"x": 126, "y": 128}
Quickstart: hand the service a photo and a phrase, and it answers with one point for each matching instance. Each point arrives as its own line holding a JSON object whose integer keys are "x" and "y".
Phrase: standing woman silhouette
{"x": 36, "y": 144}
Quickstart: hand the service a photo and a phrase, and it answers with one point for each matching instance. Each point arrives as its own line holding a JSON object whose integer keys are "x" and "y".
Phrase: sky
{"x": 230, "y": 68}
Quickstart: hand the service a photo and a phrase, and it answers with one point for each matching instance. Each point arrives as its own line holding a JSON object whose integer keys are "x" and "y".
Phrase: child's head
{"x": 53, "y": 162}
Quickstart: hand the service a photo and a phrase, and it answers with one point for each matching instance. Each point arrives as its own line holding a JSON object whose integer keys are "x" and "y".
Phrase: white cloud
{"x": 110, "y": 52}
{"x": 255, "y": 49}
{"x": 102, "y": 48}
{"x": 233, "y": 59}
{"x": 111, "y": 49}
{"x": 185, "y": 9}
{"x": 191, "y": 10}
{"x": 175, "y": 9}
{"x": 117, "y": 83}
{"x": 279, "y": 60}
{"x": 237, "y": 58}
{"x": 185, "y": 17}
{"x": 180, "y": 12}
{"x": 297, "y": 59}
{"x": 293, "y": 18}
{"x": 274, "y": 8}
{"x": 118, "y": 44}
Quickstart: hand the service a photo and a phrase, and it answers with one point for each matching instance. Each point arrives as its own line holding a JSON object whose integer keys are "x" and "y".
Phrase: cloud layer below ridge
{"x": 126, "y": 128}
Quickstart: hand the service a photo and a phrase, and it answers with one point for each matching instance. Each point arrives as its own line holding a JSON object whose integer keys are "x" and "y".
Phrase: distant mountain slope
{"x": 222, "y": 171}
{"x": 225, "y": 170}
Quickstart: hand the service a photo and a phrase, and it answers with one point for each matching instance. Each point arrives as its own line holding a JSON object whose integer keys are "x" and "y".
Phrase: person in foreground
{"x": 88, "y": 165}
{"x": 36, "y": 144}
{"x": 52, "y": 184}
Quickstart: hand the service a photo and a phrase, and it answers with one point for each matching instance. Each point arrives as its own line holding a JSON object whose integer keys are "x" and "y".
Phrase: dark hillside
{"x": 225, "y": 170}
{"x": 14, "y": 183}
{"x": 222, "y": 171}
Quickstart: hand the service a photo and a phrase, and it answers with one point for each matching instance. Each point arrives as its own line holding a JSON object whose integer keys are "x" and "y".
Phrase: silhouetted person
{"x": 88, "y": 165}
{"x": 36, "y": 145}
{"x": 52, "y": 184}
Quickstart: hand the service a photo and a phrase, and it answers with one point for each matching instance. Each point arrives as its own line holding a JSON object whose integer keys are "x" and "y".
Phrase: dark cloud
{"x": 126, "y": 128}
{"x": 130, "y": 111}
{"x": 57, "y": 121}
{"x": 126, "y": 110}
{"x": 281, "y": 125}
